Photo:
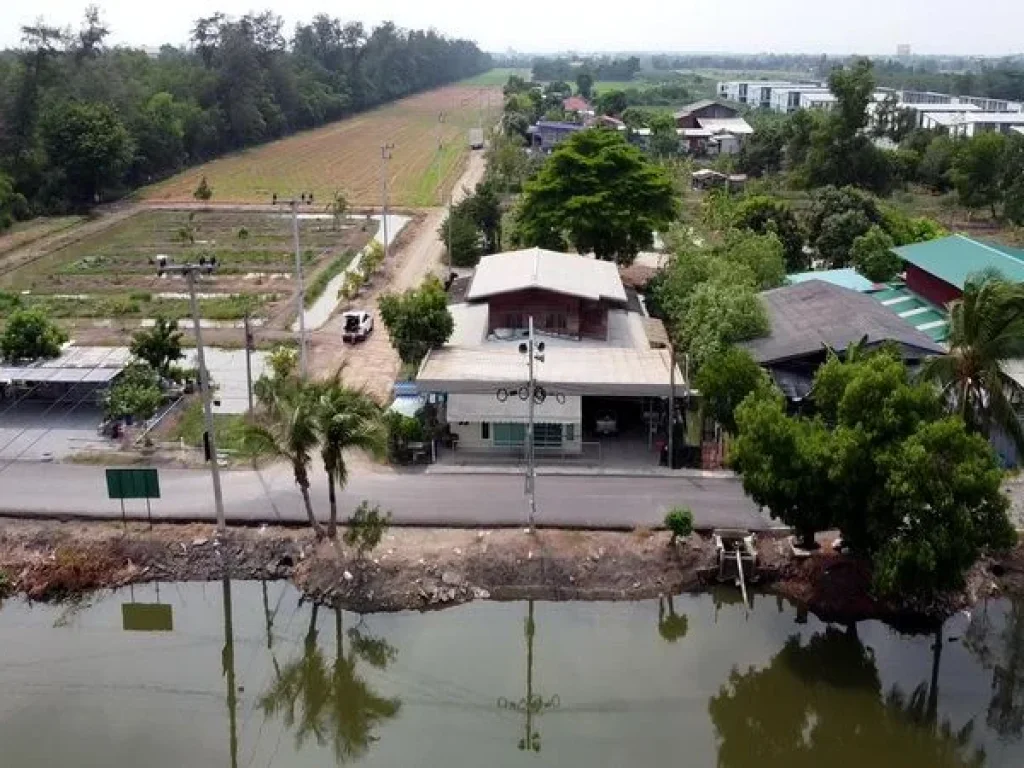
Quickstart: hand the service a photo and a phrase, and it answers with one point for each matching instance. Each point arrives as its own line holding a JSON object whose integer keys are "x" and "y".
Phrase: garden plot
{"x": 112, "y": 274}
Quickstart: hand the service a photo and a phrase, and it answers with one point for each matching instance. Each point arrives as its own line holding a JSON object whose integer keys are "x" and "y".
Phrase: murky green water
{"x": 269, "y": 682}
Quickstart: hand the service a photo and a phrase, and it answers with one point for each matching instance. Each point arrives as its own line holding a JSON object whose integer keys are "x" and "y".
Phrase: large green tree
{"x": 909, "y": 489}
{"x": 160, "y": 346}
{"x": 763, "y": 214}
{"x": 88, "y": 145}
{"x": 724, "y": 381}
{"x": 603, "y": 193}
{"x": 136, "y": 394}
{"x": 417, "y": 320}
{"x": 30, "y": 335}
{"x": 872, "y": 255}
{"x": 978, "y": 171}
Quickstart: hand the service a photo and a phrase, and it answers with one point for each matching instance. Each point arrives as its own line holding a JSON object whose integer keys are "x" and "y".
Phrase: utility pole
{"x": 248, "y": 361}
{"x": 671, "y": 404}
{"x": 300, "y": 294}
{"x": 441, "y": 118}
{"x": 190, "y": 271}
{"x": 385, "y": 155}
{"x": 533, "y": 351}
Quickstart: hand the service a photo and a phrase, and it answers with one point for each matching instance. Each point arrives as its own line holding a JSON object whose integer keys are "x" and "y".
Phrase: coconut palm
{"x": 345, "y": 419}
{"x": 986, "y": 332}
{"x": 286, "y": 427}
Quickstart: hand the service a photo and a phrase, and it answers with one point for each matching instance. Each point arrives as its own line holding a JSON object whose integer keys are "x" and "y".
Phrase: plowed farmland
{"x": 346, "y": 155}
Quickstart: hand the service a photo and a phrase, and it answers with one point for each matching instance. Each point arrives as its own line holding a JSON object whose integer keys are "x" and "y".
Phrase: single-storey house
{"x": 604, "y": 359}
{"x": 577, "y": 104}
{"x": 710, "y": 126}
{"x": 688, "y": 116}
{"x": 548, "y": 134}
{"x": 937, "y": 269}
{"x": 812, "y": 317}
{"x": 972, "y": 123}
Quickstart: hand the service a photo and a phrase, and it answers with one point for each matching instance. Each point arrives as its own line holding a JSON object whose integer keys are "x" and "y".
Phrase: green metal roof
{"x": 844, "y": 278}
{"x": 955, "y": 258}
{"x": 931, "y": 320}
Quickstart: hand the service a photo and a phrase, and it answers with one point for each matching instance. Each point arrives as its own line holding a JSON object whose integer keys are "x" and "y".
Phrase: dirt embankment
{"x": 431, "y": 568}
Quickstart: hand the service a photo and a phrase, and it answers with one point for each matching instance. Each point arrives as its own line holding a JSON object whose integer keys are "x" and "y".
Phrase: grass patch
{"x": 27, "y": 232}
{"x": 229, "y": 430}
{"x": 331, "y": 271}
{"x": 140, "y": 305}
{"x": 497, "y": 76}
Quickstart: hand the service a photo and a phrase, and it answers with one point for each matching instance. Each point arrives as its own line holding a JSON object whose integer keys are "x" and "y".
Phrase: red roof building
{"x": 575, "y": 104}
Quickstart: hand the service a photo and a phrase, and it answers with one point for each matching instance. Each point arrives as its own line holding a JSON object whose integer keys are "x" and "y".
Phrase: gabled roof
{"x": 844, "y": 278}
{"x": 734, "y": 125}
{"x": 689, "y": 109}
{"x": 575, "y": 104}
{"x": 955, "y": 258}
{"x": 810, "y": 316}
{"x": 565, "y": 273}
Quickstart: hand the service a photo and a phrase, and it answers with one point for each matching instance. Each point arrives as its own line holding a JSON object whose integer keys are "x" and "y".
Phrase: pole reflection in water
{"x": 533, "y": 704}
{"x": 227, "y": 658}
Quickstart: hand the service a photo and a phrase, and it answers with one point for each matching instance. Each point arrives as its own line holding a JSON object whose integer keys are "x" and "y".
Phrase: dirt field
{"x": 111, "y": 272}
{"x": 346, "y": 155}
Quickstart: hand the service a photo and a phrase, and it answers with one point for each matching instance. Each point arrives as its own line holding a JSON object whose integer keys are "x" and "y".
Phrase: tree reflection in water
{"x": 331, "y": 702}
{"x": 821, "y": 704}
{"x": 671, "y": 625}
{"x": 1001, "y": 651}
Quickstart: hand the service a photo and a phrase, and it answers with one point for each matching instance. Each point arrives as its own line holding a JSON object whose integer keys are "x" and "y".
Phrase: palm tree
{"x": 345, "y": 419}
{"x": 986, "y": 331}
{"x": 287, "y": 428}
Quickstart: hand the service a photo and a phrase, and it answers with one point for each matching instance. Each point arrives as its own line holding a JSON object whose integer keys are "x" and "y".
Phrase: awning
{"x": 479, "y": 408}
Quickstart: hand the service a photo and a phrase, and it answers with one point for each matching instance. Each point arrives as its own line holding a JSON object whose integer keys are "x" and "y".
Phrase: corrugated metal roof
{"x": 734, "y": 125}
{"x": 88, "y": 365}
{"x": 563, "y": 273}
{"x": 955, "y": 258}
{"x": 844, "y": 278}
{"x": 570, "y": 371}
{"x": 808, "y": 317}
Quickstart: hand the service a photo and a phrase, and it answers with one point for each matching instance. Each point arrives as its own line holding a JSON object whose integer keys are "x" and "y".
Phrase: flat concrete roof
{"x": 86, "y": 365}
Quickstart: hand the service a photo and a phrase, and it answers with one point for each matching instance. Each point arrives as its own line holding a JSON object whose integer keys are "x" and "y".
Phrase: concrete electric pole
{"x": 305, "y": 198}
{"x": 385, "y": 156}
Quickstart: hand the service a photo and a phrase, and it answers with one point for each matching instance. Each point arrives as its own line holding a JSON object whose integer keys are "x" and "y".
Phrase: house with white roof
{"x": 604, "y": 358}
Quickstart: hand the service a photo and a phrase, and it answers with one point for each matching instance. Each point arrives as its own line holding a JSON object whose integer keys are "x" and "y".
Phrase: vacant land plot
{"x": 112, "y": 273}
{"x": 346, "y": 155}
{"x": 497, "y": 76}
{"x": 26, "y": 232}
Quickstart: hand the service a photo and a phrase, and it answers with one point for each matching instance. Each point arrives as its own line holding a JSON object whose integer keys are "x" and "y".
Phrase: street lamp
{"x": 305, "y": 198}
{"x": 203, "y": 266}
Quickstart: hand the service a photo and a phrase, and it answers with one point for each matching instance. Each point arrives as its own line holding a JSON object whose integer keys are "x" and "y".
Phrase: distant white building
{"x": 973, "y": 123}
{"x": 756, "y": 93}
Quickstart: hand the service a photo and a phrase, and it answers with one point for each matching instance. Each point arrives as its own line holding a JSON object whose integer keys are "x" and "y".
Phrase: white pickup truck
{"x": 357, "y": 325}
{"x": 476, "y": 138}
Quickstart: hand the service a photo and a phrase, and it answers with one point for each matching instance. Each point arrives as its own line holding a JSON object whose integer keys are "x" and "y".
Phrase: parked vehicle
{"x": 476, "y": 138}
{"x": 357, "y": 326}
{"x": 606, "y": 424}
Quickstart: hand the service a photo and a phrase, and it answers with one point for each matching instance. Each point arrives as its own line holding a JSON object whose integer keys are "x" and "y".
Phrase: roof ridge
{"x": 987, "y": 247}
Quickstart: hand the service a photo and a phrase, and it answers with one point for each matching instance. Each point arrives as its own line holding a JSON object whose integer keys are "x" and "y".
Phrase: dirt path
{"x": 374, "y": 364}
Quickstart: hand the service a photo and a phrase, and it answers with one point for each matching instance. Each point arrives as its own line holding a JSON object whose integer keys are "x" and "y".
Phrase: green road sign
{"x": 133, "y": 484}
{"x": 147, "y": 617}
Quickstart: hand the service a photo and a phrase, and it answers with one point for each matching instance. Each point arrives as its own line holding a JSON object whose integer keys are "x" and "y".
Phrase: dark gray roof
{"x": 807, "y": 317}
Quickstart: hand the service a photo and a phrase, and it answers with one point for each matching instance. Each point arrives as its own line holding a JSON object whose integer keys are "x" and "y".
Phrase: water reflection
{"x": 533, "y": 703}
{"x": 671, "y": 625}
{"x": 331, "y": 702}
{"x": 999, "y": 646}
{"x": 227, "y": 662}
{"x": 822, "y": 700}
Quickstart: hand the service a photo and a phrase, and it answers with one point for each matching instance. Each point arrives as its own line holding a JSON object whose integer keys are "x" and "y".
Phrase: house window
{"x": 570, "y": 433}
{"x": 513, "y": 320}
{"x": 485, "y": 430}
{"x": 548, "y": 435}
{"x": 555, "y": 321}
{"x": 509, "y": 434}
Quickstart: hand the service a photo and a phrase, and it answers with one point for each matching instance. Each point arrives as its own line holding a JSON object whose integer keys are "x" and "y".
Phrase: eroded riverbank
{"x": 424, "y": 568}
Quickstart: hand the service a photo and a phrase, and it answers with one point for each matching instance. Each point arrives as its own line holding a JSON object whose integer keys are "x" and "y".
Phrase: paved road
{"x": 414, "y": 499}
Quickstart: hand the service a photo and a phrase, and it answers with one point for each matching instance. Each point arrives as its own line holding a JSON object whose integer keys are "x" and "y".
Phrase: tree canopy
{"x": 83, "y": 118}
{"x": 417, "y": 320}
{"x": 602, "y": 193}
{"x": 30, "y": 335}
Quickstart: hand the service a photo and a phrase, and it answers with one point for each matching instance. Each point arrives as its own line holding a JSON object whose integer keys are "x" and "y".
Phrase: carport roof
{"x": 74, "y": 365}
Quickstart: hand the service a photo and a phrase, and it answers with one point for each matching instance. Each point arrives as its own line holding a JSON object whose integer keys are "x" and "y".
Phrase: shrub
{"x": 366, "y": 528}
{"x": 679, "y": 522}
{"x": 243, "y": 233}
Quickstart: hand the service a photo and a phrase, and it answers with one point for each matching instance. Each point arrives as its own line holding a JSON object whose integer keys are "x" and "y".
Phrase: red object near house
{"x": 930, "y": 287}
{"x": 575, "y": 104}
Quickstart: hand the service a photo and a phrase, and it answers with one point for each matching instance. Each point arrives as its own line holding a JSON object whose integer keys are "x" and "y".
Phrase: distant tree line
{"x": 599, "y": 67}
{"x": 81, "y": 121}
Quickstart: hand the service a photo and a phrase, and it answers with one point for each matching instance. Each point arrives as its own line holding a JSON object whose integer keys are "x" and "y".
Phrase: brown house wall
{"x": 582, "y": 317}
{"x": 711, "y": 111}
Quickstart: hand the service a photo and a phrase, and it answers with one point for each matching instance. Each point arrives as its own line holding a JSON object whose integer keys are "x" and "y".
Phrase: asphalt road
{"x": 65, "y": 490}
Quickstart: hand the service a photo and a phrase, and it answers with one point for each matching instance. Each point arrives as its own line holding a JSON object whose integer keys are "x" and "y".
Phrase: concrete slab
{"x": 34, "y": 431}
{"x": 227, "y": 369}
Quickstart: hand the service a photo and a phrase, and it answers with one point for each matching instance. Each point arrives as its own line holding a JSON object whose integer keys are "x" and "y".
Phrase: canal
{"x": 205, "y": 675}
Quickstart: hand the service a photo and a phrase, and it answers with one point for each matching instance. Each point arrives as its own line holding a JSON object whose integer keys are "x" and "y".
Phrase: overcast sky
{"x": 989, "y": 27}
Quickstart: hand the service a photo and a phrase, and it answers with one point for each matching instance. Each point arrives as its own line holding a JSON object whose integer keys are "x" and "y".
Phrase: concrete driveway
{"x": 31, "y": 431}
